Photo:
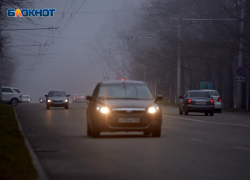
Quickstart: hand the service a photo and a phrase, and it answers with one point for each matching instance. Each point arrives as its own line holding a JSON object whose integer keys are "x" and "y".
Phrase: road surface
{"x": 191, "y": 147}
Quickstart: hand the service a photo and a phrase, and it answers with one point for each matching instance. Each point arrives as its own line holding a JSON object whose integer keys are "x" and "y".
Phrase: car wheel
{"x": 219, "y": 110}
{"x": 211, "y": 113}
{"x": 95, "y": 133}
{"x": 180, "y": 112}
{"x": 88, "y": 130}
{"x": 147, "y": 133}
{"x": 14, "y": 101}
{"x": 47, "y": 107}
{"x": 156, "y": 132}
{"x": 66, "y": 107}
{"x": 206, "y": 113}
{"x": 186, "y": 111}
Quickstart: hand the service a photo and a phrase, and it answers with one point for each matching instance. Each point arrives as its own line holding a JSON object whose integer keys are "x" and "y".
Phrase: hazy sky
{"x": 67, "y": 64}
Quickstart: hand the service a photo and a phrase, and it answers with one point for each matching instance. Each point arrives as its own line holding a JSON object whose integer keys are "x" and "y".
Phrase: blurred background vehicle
{"x": 42, "y": 100}
{"x": 11, "y": 95}
{"x": 196, "y": 101}
{"x": 79, "y": 98}
{"x": 57, "y": 99}
{"x": 217, "y": 100}
{"x": 26, "y": 99}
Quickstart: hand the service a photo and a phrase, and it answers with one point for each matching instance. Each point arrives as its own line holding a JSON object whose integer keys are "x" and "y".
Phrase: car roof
{"x": 9, "y": 87}
{"x": 121, "y": 82}
{"x": 195, "y": 91}
{"x": 57, "y": 91}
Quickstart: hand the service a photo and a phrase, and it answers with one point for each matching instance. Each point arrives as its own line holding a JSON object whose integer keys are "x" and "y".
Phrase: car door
{"x": 6, "y": 94}
{"x": 92, "y": 105}
{"x": 182, "y": 102}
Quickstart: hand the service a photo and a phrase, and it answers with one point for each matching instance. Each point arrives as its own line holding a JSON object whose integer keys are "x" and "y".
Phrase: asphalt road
{"x": 191, "y": 147}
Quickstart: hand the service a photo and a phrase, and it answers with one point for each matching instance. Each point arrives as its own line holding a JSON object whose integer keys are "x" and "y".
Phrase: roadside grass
{"x": 15, "y": 161}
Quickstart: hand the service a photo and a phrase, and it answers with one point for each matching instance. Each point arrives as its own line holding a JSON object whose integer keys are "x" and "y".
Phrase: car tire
{"x": 89, "y": 133}
{"x": 211, "y": 113}
{"x": 48, "y": 107}
{"x": 66, "y": 107}
{"x": 219, "y": 110}
{"x": 185, "y": 111}
{"x": 14, "y": 101}
{"x": 206, "y": 113}
{"x": 156, "y": 132}
{"x": 180, "y": 112}
{"x": 147, "y": 133}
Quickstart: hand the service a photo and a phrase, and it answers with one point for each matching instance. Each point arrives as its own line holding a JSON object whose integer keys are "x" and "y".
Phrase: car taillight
{"x": 219, "y": 99}
{"x": 212, "y": 102}
{"x": 20, "y": 95}
{"x": 189, "y": 101}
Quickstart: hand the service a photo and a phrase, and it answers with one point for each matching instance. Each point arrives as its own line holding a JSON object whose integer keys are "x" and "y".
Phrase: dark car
{"x": 42, "y": 100}
{"x": 196, "y": 101}
{"x": 57, "y": 99}
{"x": 123, "y": 106}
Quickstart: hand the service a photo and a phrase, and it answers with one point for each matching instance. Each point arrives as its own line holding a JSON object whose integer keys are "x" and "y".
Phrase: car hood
{"x": 57, "y": 98}
{"x": 121, "y": 103}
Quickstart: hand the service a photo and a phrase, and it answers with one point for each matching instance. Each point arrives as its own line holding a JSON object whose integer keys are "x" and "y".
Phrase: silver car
{"x": 26, "y": 99}
{"x": 196, "y": 101}
{"x": 57, "y": 99}
{"x": 217, "y": 100}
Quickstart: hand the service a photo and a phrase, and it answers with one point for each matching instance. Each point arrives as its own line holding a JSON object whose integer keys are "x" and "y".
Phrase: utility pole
{"x": 240, "y": 62}
{"x": 178, "y": 93}
{"x": 179, "y": 61}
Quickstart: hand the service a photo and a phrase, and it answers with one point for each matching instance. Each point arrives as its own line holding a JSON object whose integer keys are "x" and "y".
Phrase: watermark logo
{"x": 31, "y": 12}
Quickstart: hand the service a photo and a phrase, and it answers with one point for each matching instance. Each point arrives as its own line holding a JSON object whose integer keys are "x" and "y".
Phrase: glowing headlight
{"x": 66, "y": 100}
{"x": 28, "y": 99}
{"x": 151, "y": 110}
{"x": 104, "y": 110}
{"x": 49, "y": 100}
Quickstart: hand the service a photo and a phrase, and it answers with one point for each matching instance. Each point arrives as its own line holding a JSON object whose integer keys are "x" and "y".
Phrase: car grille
{"x": 128, "y": 111}
{"x": 115, "y": 123}
{"x": 57, "y": 101}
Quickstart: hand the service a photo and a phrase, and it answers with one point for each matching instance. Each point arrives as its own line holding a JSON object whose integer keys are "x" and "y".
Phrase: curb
{"x": 41, "y": 173}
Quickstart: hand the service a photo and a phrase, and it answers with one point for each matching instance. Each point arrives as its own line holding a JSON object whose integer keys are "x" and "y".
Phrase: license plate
{"x": 201, "y": 102}
{"x": 57, "y": 103}
{"x": 129, "y": 120}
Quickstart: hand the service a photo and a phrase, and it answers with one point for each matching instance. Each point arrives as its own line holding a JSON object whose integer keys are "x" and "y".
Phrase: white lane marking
{"x": 208, "y": 122}
{"x": 242, "y": 148}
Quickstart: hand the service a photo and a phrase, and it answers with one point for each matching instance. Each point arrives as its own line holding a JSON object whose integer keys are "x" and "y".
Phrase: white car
{"x": 217, "y": 100}
{"x": 11, "y": 95}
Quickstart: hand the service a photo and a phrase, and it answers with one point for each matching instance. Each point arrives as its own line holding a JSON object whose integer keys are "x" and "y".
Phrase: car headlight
{"x": 49, "y": 100}
{"x": 153, "y": 109}
{"x": 104, "y": 110}
{"x": 66, "y": 100}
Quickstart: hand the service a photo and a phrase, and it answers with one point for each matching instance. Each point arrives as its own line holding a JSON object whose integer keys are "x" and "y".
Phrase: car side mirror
{"x": 68, "y": 95}
{"x": 181, "y": 97}
{"x": 158, "y": 98}
{"x": 89, "y": 98}
{"x": 46, "y": 95}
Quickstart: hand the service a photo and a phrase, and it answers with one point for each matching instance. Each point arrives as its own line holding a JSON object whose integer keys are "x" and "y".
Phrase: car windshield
{"x": 213, "y": 93}
{"x": 125, "y": 91}
{"x": 57, "y": 93}
{"x": 199, "y": 94}
{"x": 16, "y": 91}
{"x": 26, "y": 96}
